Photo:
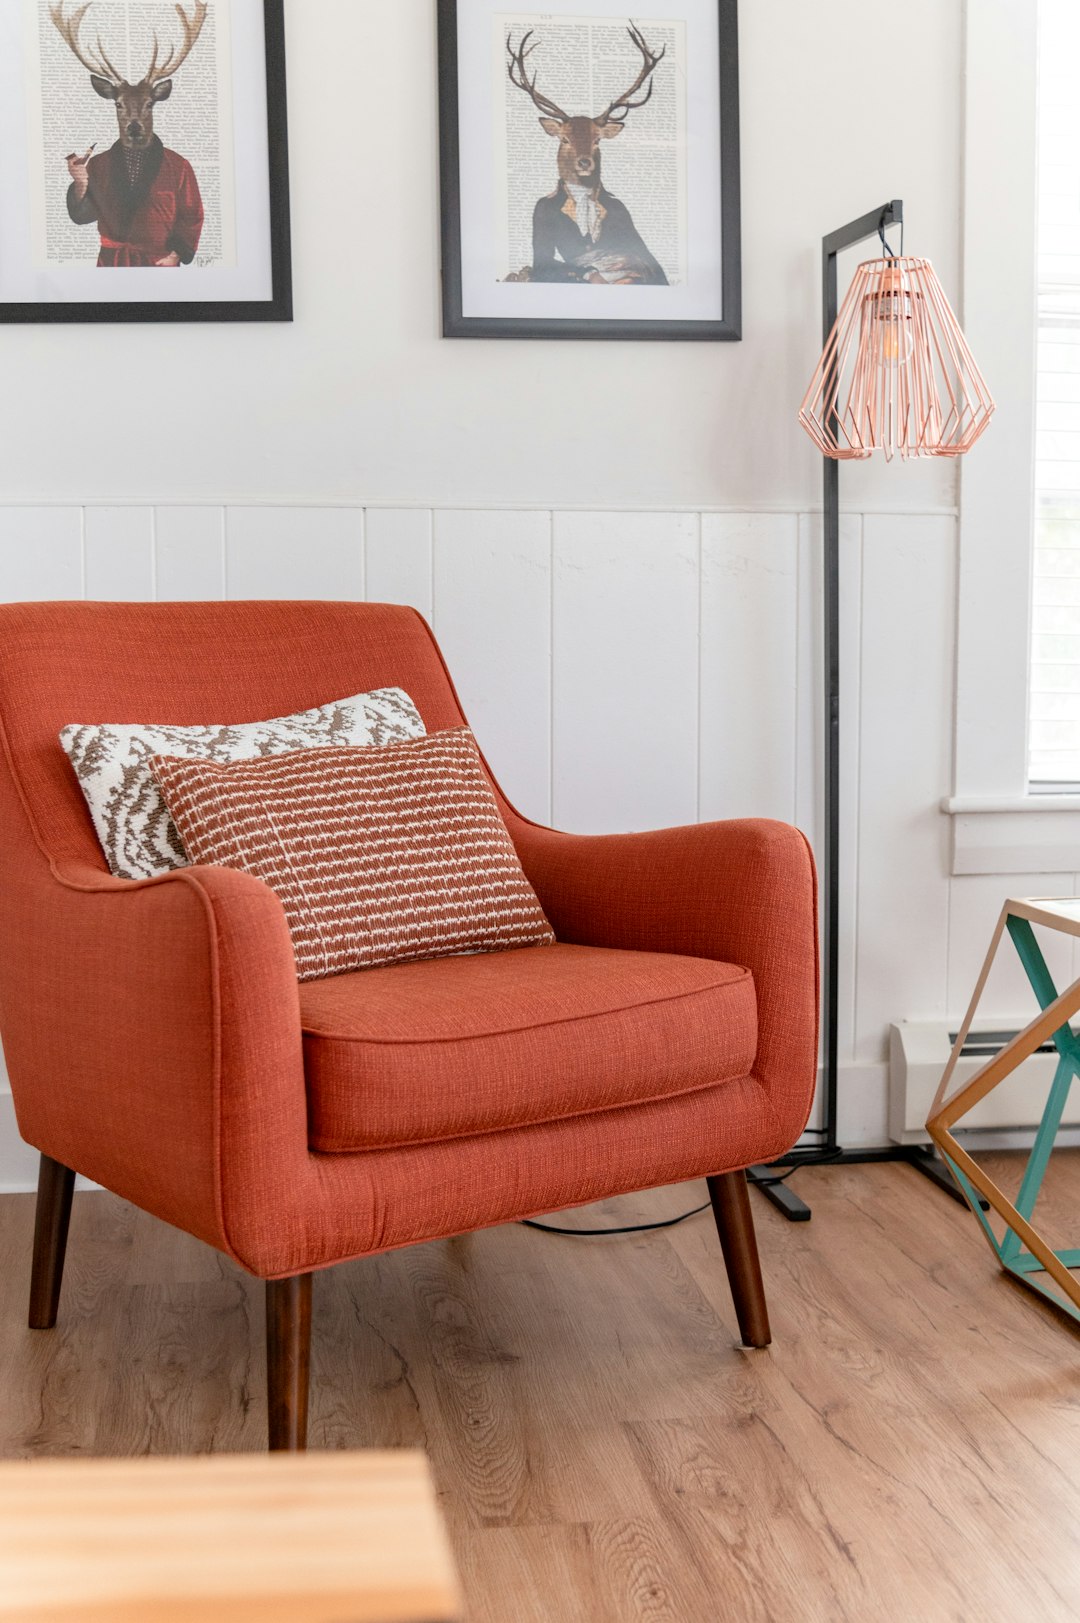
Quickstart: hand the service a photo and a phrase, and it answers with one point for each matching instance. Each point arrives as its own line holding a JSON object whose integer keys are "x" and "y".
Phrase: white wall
{"x": 361, "y": 399}
{"x": 617, "y": 542}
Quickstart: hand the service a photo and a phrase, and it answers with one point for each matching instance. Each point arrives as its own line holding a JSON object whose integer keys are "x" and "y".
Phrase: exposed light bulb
{"x": 890, "y": 315}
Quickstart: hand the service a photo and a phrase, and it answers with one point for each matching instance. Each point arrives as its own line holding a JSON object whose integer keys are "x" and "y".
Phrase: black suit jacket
{"x": 555, "y": 228}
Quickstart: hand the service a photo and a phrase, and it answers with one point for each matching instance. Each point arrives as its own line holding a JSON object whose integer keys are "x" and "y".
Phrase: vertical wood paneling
{"x": 810, "y": 733}
{"x": 397, "y": 546}
{"x": 975, "y": 903}
{"x": 909, "y": 567}
{"x": 294, "y": 552}
{"x": 120, "y": 554}
{"x": 492, "y": 616}
{"x": 749, "y": 583}
{"x": 626, "y": 608}
{"x": 40, "y": 553}
{"x": 575, "y": 645}
{"x": 189, "y": 545}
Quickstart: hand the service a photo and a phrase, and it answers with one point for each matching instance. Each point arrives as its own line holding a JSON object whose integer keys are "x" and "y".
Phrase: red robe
{"x": 161, "y": 214}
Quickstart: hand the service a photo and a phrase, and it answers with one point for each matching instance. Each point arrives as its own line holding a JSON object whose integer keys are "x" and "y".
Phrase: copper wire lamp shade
{"x": 896, "y": 374}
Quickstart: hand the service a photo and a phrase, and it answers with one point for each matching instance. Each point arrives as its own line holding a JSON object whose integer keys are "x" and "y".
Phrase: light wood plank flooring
{"x": 909, "y": 1448}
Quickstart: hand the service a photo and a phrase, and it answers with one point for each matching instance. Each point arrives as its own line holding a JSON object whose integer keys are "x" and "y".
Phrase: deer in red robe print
{"x": 581, "y": 233}
{"x": 144, "y": 199}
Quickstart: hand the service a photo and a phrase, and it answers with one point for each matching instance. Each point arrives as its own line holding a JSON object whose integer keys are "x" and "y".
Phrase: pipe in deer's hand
{"x": 73, "y": 157}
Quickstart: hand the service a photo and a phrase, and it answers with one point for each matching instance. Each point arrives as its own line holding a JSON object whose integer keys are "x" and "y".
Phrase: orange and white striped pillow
{"x": 378, "y": 854}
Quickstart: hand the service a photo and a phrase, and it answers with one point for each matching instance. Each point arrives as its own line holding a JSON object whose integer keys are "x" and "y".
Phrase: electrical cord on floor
{"x": 670, "y": 1222}
{"x": 631, "y": 1228}
{"x": 826, "y": 1158}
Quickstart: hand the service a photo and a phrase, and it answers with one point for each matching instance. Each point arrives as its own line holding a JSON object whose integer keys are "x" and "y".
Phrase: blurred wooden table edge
{"x": 282, "y": 1538}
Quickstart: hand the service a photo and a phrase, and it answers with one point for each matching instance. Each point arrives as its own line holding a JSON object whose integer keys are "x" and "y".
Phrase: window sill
{"x": 1015, "y": 834}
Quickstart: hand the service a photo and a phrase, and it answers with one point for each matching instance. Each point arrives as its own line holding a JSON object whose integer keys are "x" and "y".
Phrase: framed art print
{"x": 144, "y": 161}
{"x": 590, "y": 169}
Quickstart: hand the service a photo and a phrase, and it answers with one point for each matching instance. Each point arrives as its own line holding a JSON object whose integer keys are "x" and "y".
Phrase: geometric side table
{"x": 1022, "y": 1252}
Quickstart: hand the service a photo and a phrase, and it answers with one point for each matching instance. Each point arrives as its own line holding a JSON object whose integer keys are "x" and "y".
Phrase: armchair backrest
{"x": 187, "y": 663}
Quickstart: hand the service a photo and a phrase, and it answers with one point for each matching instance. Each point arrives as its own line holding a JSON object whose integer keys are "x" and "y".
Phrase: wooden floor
{"x": 909, "y": 1447}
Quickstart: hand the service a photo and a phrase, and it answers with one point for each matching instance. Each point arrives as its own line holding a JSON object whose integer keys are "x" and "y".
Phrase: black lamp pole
{"x": 847, "y": 237}
{"x": 828, "y": 1149}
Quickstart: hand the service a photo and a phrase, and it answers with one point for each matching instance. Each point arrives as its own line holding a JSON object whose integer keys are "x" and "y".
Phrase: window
{"x": 1001, "y": 822}
{"x": 1055, "y": 645}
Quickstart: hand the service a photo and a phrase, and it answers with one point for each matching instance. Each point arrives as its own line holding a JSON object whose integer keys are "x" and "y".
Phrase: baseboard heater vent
{"x": 918, "y": 1053}
{"x": 989, "y": 1043}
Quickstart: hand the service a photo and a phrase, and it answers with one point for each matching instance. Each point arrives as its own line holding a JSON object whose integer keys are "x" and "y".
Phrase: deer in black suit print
{"x": 581, "y": 233}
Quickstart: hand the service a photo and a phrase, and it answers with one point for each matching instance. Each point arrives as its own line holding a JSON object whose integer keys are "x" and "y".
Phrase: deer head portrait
{"x": 134, "y": 103}
{"x": 579, "y": 138}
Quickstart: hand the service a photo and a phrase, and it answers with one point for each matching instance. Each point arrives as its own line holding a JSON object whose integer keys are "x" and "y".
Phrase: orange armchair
{"x": 158, "y": 1041}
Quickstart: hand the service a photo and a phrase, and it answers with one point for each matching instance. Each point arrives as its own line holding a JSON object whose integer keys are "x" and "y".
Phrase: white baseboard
{"x": 863, "y": 1105}
{"x": 18, "y": 1162}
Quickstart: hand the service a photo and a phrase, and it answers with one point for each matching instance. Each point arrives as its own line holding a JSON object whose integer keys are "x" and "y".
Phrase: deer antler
{"x": 68, "y": 29}
{"x": 624, "y": 103}
{"x": 192, "y": 27}
{"x": 523, "y": 82}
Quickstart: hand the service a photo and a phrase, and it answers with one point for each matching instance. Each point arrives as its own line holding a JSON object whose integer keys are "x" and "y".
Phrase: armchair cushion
{"x": 449, "y": 1047}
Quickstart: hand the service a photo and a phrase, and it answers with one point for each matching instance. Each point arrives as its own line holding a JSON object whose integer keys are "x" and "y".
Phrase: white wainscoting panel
{"x": 189, "y": 554}
{"x": 41, "y": 553}
{"x": 625, "y": 658}
{"x": 749, "y": 611}
{"x": 119, "y": 543}
{"x": 637, "y": 669}
{"x": 492, "y": 616}
{"x": 294, "y": 552}
{"x": 976, "y": 902}
{"x": 398, "y": 542}
{"x": 908, "y": 622}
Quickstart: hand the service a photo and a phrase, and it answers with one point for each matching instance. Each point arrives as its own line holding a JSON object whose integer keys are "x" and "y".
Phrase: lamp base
{"x": 784, "y": 1199}
{"x": 924, "y": 1159}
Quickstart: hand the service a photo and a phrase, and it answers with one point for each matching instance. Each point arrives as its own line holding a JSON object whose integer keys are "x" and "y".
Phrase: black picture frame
{"x": 279, "y": 307}
{"x": 457, "y": 325}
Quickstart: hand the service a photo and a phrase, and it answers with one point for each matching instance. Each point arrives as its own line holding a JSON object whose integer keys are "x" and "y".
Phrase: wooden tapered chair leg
{"x": 735, "y": 1225}
{"x": 55, "y": 1186}
{"x": 288, "y": 1361}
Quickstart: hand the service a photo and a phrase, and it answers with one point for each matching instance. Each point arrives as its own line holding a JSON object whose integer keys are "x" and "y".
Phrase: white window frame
{"x": 999, "y": 826}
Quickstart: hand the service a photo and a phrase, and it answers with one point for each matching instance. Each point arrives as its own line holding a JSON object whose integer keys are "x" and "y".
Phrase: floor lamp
{"x": 896, "y": 376}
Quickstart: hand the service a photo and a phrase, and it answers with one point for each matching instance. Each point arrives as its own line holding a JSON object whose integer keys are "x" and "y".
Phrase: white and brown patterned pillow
{"x": 112, "y": 764}
{"x": 377, "y": 855}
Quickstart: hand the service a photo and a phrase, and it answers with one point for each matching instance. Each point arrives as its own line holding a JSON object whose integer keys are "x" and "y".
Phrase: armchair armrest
{"x": 744, "y": 892}
{"x": 153, "y": 1035}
